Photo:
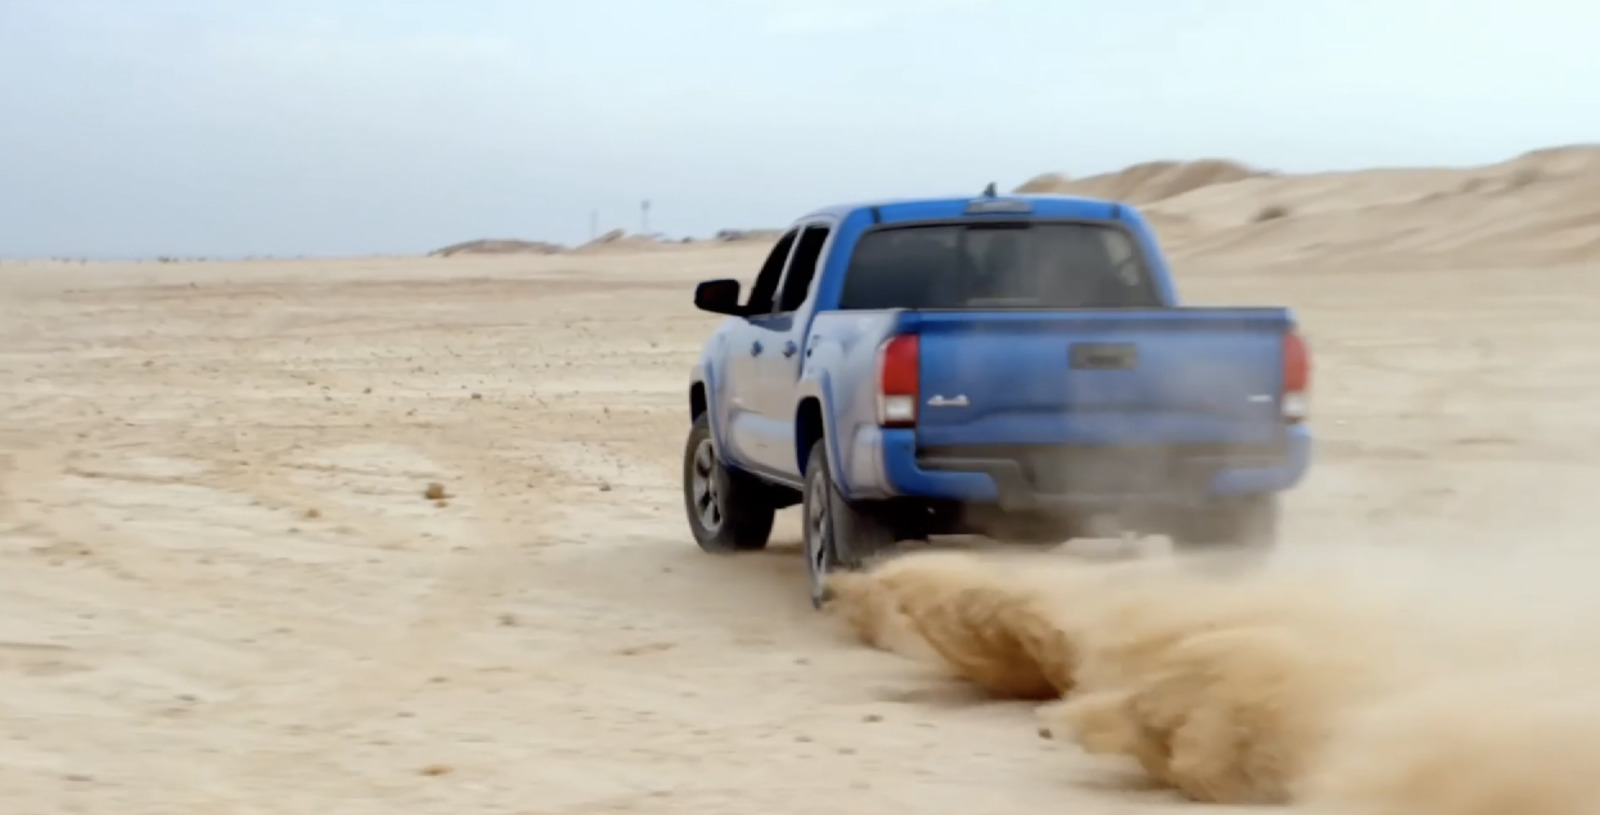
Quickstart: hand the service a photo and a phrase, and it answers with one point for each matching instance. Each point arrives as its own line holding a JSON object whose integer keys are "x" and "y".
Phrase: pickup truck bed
{"x": 990, "y": 364}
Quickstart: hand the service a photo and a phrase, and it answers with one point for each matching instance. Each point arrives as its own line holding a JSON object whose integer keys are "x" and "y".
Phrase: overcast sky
{"x": 338, "y": 127}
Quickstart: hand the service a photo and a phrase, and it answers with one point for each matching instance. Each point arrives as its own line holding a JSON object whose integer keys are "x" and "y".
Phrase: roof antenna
{"x": 988, "y": 192}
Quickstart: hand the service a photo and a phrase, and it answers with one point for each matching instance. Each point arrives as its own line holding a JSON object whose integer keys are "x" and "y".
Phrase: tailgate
{"x": 1122, "y": 377}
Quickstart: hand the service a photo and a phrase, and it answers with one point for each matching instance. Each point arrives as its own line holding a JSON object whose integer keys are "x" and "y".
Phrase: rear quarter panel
{"x": 840, "y": 372}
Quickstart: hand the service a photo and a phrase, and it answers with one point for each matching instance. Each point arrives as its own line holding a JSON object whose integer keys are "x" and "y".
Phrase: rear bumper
{"x": 1005, "y": 482}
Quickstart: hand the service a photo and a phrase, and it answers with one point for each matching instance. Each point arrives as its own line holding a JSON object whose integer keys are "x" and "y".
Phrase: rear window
{"x": 1029, "y": 265}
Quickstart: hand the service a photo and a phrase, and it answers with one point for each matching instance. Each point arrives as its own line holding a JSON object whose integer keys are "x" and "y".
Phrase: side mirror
{"x": 718, "y": 297}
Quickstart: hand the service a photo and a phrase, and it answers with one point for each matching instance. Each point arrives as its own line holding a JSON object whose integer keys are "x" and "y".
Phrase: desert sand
{"x": 223, "y": 590}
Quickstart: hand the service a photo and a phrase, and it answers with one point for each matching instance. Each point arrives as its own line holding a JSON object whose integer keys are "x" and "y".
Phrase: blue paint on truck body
{"x": 1193, "y": 414}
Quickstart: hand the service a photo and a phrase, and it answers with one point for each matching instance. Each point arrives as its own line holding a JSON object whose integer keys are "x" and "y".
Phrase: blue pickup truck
{"x": 1016, "y": 366}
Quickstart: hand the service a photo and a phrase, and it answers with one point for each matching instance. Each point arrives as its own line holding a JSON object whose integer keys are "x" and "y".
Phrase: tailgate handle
{"x": 1104, "y": 356}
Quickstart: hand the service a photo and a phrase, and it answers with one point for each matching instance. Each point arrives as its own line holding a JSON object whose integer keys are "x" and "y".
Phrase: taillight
{"x": 1296, "y": 395}
{"x": 898, "y": 381}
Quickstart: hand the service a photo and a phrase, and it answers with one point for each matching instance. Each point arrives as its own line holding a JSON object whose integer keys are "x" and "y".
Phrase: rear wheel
{"x": 839, "y": 534}
{"x": 1247, "y": 524}
{"x": 728, "y": 511}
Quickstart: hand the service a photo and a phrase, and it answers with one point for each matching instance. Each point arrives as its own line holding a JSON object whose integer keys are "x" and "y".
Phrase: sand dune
{"x": 1541, "y": 207}
{"x": 1144, "y": 184}
{"x": 498, "y": 246}
{"x": 225, "y": 591}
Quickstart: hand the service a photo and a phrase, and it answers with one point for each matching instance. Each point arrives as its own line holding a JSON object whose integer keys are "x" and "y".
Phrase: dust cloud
{"x": 1356, "y": 680}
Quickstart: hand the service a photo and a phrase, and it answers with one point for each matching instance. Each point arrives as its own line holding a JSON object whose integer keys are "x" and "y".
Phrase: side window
{"x": 802, "y": 268}
{"x": 766, "y": 285}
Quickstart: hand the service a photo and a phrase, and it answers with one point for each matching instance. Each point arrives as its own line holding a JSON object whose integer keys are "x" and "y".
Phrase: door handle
{"x": 755, "y": 348}
{"x": 789, "y": 348}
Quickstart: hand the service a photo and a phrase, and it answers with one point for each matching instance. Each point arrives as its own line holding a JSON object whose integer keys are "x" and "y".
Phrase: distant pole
{"x": 644, "y": 217}
{"x": 594, "y": 224}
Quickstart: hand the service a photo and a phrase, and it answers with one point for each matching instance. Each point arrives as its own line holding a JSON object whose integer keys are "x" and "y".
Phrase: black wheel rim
{"x": 819, "y": 536}
{"x": 704, "y": 490}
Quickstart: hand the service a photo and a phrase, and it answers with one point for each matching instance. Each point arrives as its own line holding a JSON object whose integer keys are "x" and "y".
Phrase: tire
{"x": 838, "y": 534}
{"x": 728, "y": 511}
{"x": 1248, "y": 524}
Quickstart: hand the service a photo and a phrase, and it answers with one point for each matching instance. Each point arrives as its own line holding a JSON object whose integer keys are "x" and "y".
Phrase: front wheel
{"x": 728, "y": 511}
{"x": 838, "y": 534}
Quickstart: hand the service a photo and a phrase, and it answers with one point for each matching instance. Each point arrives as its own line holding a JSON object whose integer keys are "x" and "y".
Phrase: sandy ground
{"x": 223, "y": 591}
